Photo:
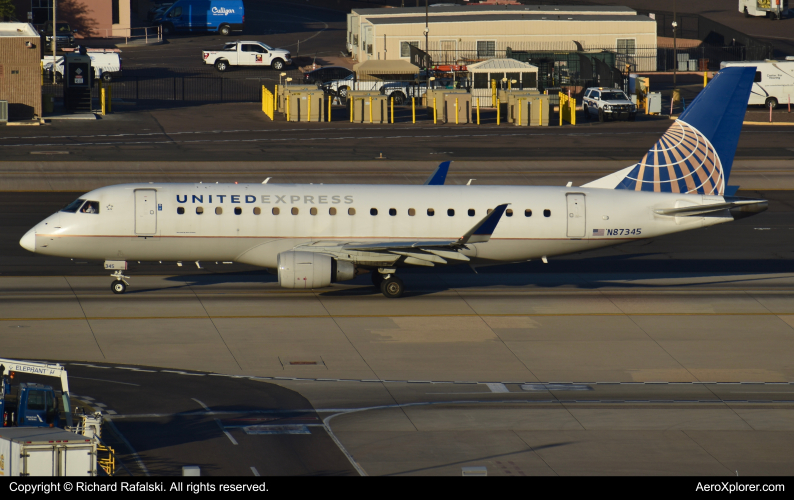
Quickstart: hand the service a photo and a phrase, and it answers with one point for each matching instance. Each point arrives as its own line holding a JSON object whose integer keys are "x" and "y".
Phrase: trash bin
{"x": 655, "y": 103}
{"x": 47, "y": 103}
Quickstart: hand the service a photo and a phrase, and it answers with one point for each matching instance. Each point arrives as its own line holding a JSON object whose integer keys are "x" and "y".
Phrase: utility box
{"x": 281, "y": 103}
{"x": 655, "y": 103}
{"x": 367, "y": 106}
{"x": 305, "y": 105}
{"x": 539, "y": 111}
{"x": 457, "y": 104}
{"x": 439, "y": 94}
{"x": 45, "y": 451}
{"x": 77, "y": 82}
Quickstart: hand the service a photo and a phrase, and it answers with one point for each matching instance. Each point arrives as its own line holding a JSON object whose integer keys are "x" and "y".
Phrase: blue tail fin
{"x": 439, "y": 176}
{"x": 696, "y": 153}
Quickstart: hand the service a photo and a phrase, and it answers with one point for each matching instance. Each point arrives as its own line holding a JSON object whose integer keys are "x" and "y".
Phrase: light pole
{"x": 427, "y": 26}
{"x": 675, "y": 47}
{"x": 54, "y": 45}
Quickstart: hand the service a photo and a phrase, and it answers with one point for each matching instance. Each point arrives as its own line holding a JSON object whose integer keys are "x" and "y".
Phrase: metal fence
{"x": 187, "y": 84}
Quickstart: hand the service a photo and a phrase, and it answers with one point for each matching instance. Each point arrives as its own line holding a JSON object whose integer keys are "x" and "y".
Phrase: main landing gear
{"x": 389, "y": 284}
{"x": 120, "y": 285}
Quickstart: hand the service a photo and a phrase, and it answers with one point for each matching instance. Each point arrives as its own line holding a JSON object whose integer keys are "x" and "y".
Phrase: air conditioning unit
{"x": 3, "y": 111}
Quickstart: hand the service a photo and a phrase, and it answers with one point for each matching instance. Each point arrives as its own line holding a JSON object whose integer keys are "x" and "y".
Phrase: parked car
{"x": 64, "y": 36}
{"x": 247, "y": 54}
{"x": 326, "y": 74}
{"x": 608, "y": 103}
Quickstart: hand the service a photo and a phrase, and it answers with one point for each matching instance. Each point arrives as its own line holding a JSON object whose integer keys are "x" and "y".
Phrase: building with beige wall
{"x": 468, "y": 38}
{"x": 91, "y": 18}
{"x": 20, "y": 70}
{"x": 435, "y": 13}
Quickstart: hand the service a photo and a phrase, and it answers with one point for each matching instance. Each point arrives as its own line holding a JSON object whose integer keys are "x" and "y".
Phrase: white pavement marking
{"x": 217, "y": 421}
{"x": 501, "y": 388}
{"x": 256, "y": 472}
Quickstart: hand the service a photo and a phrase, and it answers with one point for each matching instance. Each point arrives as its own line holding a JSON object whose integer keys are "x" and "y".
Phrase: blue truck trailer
{"x": 186, "y": 16}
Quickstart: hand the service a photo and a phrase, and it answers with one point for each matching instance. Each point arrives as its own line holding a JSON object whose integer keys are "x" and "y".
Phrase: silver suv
{"x": 608, "y": 103}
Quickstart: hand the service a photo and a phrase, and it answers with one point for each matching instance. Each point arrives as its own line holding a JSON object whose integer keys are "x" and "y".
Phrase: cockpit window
{"x": 73, "y": 206}
{"x": 90, "y": 207}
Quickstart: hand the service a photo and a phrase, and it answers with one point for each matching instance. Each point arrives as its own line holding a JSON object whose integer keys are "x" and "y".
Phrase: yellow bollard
{"x": 497, "y": 111}
{"x": 705, "y": 78}
{"x": 102, "y": 97}
{"x": 370, "y": 109}
{"x": 456, "y": 111}
{"x": 42, "y": 70}
{"x": 392, "y": 109}
{"x": 540, "y": 113}
{"x": 263, "y": 99}
{"x": 573, "y": 111}
{"x": 287, "y": 103}
{"x": 275, "y": 99}
{"x": 434, "y": 111}
{"x": 493, "y": 91}
{"x": 309, "y": 114}
{"x": 352, "y": 105}
{"x": 519, "y": 112}
{"x": 478, "y": 111}
{"x": 413, "y": 109}
{"x": 330, "y": 99}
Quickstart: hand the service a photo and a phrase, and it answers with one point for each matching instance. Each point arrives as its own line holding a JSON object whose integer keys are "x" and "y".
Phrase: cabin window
{"x": 276, "y": 211}
{"x": 90, "y": 207}
{"x": 332, "y": 211}
{"x": 547, "y": 213}
{"x": 527, "y": 213}
{"x": 351, "y": 211}
{"x": 509, "y": 212}
{"x": 431, "y": 212}
{"x": 411, "y": 212}
{"x": 199, "y": 210}
{"x": 218, "y": 211}
{"x": 373, "y": 211}
{"x": 471, "y": 212}
{"x": 257, "y": 210}
{"x": 451, "y": 212}
{"x": 238, "y": 211}
{"x": 295, "y": 211}
{"x": 313, "y": 211}
{"x": 180, "y": 210}
{"x": 392, "y": 211}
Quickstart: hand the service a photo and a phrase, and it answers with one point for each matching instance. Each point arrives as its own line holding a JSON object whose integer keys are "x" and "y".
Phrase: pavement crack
{"x": 85, "y": 317}
{"x": 190, "y": 287}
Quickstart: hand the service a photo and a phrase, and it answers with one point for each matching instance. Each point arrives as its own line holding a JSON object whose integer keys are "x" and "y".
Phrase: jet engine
{"x": 311, "y": 270}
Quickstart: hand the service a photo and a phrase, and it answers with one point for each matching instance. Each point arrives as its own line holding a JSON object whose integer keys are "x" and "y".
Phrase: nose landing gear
{"x": 120, "y": 285}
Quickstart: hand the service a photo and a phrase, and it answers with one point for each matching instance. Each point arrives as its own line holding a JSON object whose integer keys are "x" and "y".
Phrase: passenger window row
{"x": 352, "y": 211}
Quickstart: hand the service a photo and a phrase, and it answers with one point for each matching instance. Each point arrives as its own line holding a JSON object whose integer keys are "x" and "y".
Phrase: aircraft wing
{"x": 439, "y": 176}
{"x": 418, "y": 252}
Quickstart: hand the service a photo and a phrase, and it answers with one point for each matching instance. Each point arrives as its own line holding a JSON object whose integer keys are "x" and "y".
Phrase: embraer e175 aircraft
{"x": 315, "y": 235}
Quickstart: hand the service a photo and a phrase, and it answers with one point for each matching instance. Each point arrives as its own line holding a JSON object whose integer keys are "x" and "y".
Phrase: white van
{"x": 106, "y": 64}
{"x": 774, "y": 81}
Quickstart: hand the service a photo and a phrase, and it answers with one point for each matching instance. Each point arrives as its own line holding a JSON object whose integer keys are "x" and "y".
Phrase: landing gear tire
{"x": 118, "y": 287}
{"x": 601, "y": 115}
{"x": 392, "y": 287}
{"x": 377, "y": 278}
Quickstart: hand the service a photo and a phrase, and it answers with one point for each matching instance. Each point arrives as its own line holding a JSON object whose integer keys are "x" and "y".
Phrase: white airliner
{"x": 315, "y": 235}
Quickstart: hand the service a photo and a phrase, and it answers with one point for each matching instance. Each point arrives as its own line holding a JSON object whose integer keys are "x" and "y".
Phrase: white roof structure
{"x": 512, "y": 65}
{"x": 10, "y": 30}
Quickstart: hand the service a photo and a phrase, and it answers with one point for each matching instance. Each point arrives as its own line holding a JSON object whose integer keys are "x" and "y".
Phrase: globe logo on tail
{"x": 682, "y": 161}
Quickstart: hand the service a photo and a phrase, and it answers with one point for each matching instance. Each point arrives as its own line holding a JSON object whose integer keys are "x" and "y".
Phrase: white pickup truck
{"x": 247, "y": 54}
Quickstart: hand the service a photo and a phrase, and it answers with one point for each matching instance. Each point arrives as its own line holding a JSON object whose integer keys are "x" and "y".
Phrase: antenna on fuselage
{"x": 265, "y": 181}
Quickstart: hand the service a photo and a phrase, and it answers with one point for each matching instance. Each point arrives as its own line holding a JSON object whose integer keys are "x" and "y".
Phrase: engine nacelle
{"x": 311, "y": 270}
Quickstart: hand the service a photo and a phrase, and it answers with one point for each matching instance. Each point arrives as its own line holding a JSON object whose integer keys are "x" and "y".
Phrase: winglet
{"x": 439, "y": 176}
{"x": 482, "y": 232}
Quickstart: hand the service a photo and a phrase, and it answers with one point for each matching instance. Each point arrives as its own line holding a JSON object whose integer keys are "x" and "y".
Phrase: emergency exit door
{"x": 145, "y": 211}
{"x": 576, "y": 216}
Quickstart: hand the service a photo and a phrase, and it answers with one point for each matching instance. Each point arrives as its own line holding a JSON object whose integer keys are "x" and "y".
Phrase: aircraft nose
{"x": 28, "y": 242}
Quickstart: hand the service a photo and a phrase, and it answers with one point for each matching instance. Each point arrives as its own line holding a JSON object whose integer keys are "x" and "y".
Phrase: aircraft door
{"x": 145, "y": 211}
{"x": 576, "y": 215}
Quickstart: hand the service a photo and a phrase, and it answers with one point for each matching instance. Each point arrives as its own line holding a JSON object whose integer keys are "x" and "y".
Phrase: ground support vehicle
{"x": 105, "y": 63}
{"x": 33, "y": 405}
{"x": 221, "y": 16}
{"x": 773, "y": 83}
{"x": 31, "y": 451}
{"x": 775, "y": 9}
{"x": 247, "y": 54}
{"x": 608, "y": 103}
